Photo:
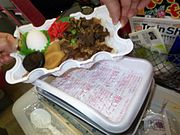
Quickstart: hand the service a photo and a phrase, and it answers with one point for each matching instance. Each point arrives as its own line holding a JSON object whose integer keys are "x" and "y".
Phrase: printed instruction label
{"x": 108, "y": 88}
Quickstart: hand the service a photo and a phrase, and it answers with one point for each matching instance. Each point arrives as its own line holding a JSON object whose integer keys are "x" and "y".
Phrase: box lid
{"x": 110, "y": 93}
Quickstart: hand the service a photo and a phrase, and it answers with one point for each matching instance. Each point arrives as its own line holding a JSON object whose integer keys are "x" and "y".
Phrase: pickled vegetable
{"x": 54, "y": 46}
{"x": 54, "y": 59}
{"x": 33, "y": 61}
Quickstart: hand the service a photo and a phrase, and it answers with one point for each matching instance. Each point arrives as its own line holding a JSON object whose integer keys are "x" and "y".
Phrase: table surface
{"x": 161, "y": 94}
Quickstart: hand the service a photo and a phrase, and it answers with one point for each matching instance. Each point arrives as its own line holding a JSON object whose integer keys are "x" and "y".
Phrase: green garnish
{"x": 73, "y": 41}
{"x": 64, "y": 19}
{"x": 73, "y": 32}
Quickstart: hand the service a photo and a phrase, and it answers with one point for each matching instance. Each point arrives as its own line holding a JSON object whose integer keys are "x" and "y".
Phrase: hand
{"x": 124, "y": 9}
{"x": 7, "y": 45}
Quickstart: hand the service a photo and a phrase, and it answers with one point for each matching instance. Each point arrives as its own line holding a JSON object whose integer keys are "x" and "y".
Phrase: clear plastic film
{"x": 60, "y": 121}
{"x": 158, "y": 123}
{"x": 45, "y": 121}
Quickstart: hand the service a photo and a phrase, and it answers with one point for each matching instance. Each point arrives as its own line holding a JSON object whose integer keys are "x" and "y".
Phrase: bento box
{"x": 119, "y": 45}
{"x": 109, "y": 95}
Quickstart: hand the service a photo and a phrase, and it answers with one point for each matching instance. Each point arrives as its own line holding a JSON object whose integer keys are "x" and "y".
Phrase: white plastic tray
{"x": 120, "y": 46}
{"x": 111, "y": 94}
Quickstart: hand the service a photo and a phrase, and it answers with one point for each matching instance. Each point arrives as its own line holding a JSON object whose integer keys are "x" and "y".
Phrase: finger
{"x": 11, "y": 42}
{"x": 5, "y": 58}
{"x": 133, "y": 8}
{"x": 4, "y": 47}
{"x": 143, "y": 3}
{"x": 124, "y": 20}
{"x": 3, "y": 41}
{"x": 7, "y": 42}
{"x": 10, "y": 39}
{"x": 5, "y": 35}
{"x": 113, "y": 7}
{"x": 125, "y": 6}
{"x": 2, "y": 60}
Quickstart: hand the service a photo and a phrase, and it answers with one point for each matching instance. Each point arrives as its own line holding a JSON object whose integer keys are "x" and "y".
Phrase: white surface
{"x": 120, "y": 47}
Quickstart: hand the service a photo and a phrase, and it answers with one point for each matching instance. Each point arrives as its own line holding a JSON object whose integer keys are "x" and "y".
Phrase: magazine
{"x": 149, "y": 38}
{"x": 168, "y": 28}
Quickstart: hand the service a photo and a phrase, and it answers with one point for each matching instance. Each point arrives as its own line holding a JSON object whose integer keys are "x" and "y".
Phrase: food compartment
{"x": 120, "y": 47}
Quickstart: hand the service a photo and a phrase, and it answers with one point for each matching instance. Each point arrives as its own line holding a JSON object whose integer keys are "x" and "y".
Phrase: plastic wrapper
{"x": 158, "y": 123}
{"x": 39, "y": 123}
{"x": 61, "y": 120}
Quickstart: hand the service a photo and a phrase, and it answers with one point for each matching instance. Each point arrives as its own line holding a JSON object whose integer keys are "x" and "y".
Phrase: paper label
{"x": 108, "y": 88}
